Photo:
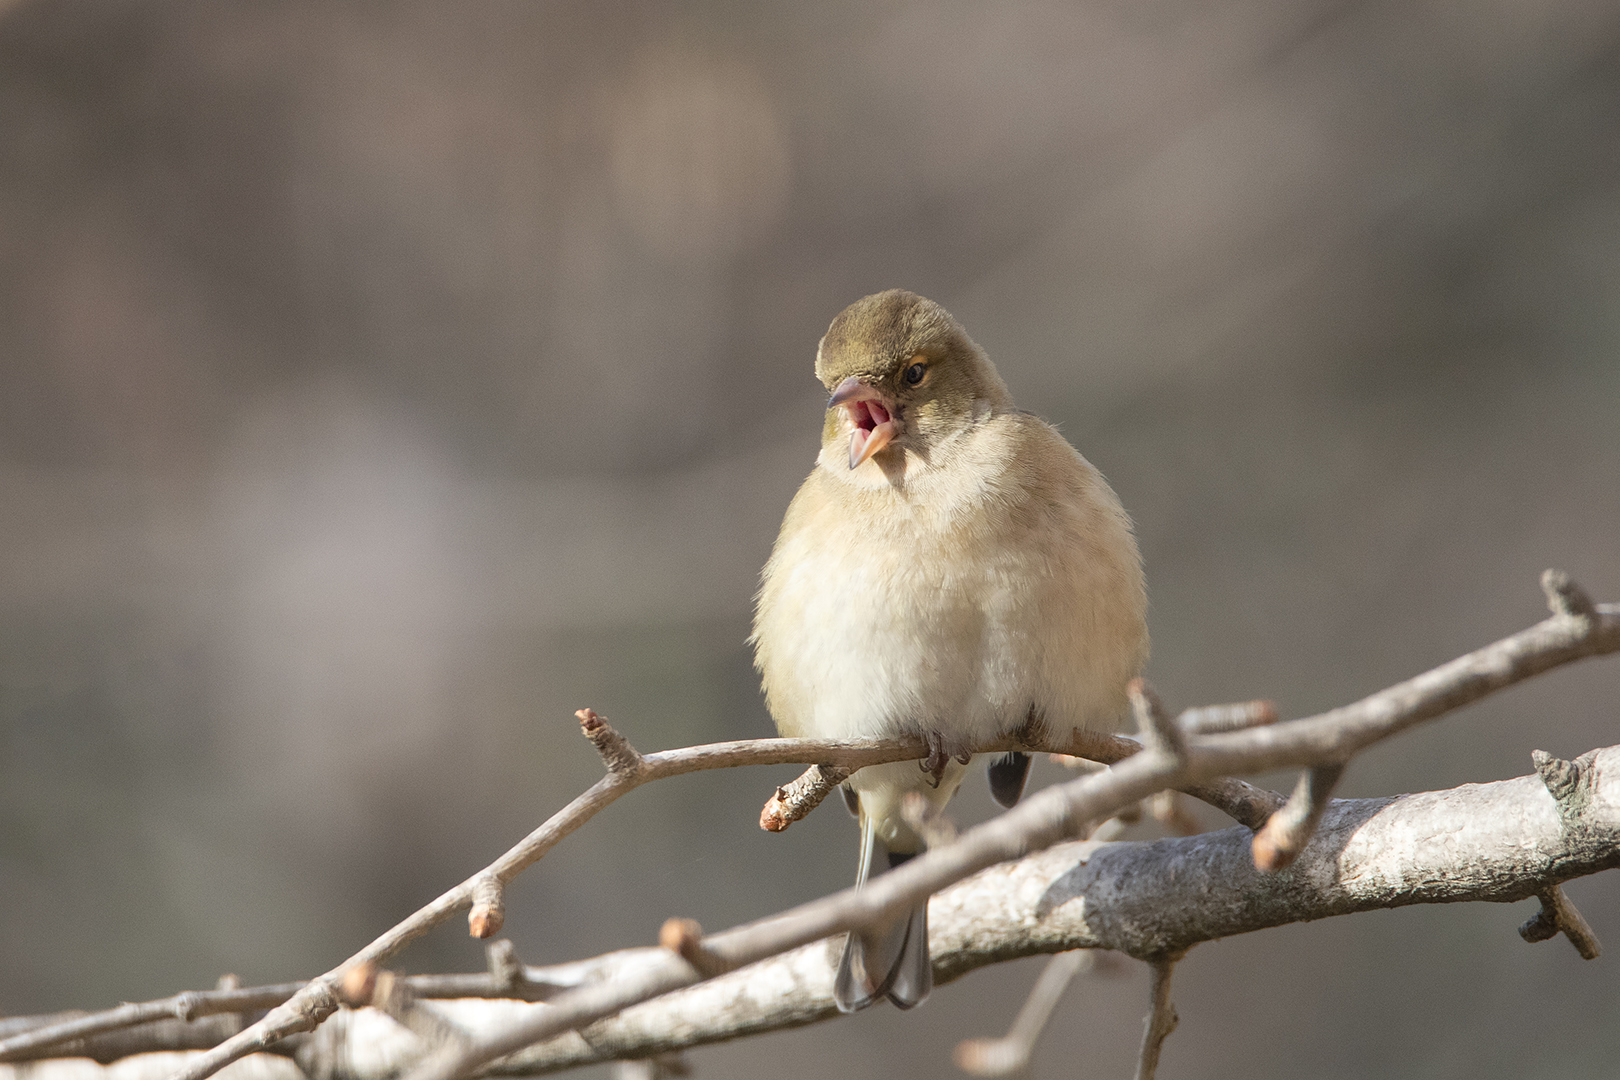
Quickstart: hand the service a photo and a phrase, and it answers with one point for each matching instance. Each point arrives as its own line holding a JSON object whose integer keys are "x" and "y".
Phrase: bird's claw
{"x": 938, "y": 757}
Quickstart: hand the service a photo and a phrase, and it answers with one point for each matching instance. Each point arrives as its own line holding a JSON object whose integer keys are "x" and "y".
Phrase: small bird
{"x": 951, "y": 569}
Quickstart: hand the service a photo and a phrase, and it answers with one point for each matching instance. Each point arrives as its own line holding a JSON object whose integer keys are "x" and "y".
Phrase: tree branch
{"x": 627, "y": 770}
{"x": 1048, "y": 816}
{"x": 1500, "y": 842}
{"x": 1182, "y": 759}
{"x": 181, "y": 1022}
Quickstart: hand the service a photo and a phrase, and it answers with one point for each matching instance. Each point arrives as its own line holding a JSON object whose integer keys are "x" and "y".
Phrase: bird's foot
{"x": 938, "y": 758}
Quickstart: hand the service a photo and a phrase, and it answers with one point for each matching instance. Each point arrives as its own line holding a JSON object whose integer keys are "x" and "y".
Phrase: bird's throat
{"x": 875, "y": 428}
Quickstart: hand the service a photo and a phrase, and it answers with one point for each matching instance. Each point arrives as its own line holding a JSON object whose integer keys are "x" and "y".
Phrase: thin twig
{"x": 1010, "y": 1054}
{"x": 1161, "y": 1019}
{"x": 1153, "y": 725}
{"x": 25, "y": 1037}
{"x": 55, "y": 1035}
{"x": 1243, "y": 802}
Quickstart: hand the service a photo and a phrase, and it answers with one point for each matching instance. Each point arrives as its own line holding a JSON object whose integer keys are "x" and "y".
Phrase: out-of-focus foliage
{"x": 379, "y": 383}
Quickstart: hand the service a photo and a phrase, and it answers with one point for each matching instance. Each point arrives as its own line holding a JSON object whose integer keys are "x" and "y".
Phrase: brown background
{"x": 379, "y": 383}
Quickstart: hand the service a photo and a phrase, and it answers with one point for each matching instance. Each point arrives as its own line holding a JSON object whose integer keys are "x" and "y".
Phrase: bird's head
{"x": 903, "y": 375}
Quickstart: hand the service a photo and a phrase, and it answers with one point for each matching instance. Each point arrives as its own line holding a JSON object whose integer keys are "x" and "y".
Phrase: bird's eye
{"x": 915, "y": 373}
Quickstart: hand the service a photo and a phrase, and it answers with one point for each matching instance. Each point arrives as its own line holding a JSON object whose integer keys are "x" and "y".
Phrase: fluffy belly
{"x": 878, "y": 650}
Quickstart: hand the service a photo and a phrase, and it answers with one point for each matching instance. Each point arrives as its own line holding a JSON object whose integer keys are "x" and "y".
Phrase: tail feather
{"x": 913, "y": 972}
{"x": 1008, "y": 775}
{"x": 890, "y": 960}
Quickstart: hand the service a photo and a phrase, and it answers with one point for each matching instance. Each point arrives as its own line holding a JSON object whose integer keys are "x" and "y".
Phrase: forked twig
{"x": 1558, "y": 915}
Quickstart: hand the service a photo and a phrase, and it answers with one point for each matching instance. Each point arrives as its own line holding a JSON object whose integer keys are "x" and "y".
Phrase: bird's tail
{"x": 888, "y": 960}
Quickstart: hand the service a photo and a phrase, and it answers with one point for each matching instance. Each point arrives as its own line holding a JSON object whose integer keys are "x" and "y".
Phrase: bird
{"x": 951, "y": 569}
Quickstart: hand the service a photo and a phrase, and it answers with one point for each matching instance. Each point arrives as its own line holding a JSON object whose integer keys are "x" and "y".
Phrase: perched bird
{"x": 953, "y": 569}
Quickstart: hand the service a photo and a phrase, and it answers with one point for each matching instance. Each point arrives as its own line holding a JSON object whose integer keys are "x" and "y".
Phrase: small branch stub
{"x": 793, "y": 801}
{"x": 367, "y": 985}
{"x": 684, "y": 938}
{"x": 617, "y": 754}
{"x": 358, "y": 984}
{"x": 392, "y": 995}
{"x": 1562, "y": 777}
{"x": 1558, "y": 914}
{"x": 488, "y": 912}
{"x": 1565, "y": 597}
{"x": 1158, "y": 731}
{"x": 1569, "y": 783}
{"x": 1286, "y": 832}
{"x": 658, "y": 1067}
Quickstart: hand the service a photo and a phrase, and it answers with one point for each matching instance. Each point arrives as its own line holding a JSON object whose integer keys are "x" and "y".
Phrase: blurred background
{"x": 379, "y": 383}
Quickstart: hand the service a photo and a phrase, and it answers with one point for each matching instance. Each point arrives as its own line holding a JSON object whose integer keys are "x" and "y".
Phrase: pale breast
{"x": 955, "y": 604}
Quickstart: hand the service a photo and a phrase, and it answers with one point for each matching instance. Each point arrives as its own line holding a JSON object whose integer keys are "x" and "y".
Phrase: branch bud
{"x": 488, "y": 912}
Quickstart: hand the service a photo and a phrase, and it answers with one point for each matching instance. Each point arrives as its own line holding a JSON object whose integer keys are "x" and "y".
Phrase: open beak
{"x": 875, "y": 426}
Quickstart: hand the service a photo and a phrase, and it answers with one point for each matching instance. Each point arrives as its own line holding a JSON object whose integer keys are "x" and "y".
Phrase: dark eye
{"x": 915, "y": 373}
